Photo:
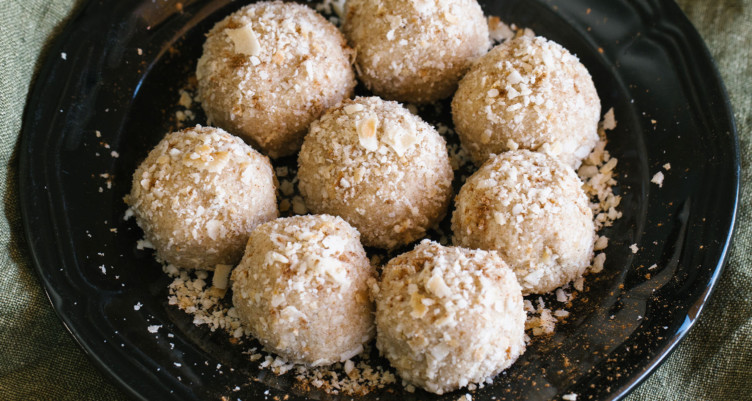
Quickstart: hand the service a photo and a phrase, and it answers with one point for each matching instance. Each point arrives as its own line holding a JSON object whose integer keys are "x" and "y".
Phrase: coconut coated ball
{"x": 531, "y": 208}
{"x": 448, "y": 316}
{"x": 379, "y": 167}
{"x": 527, "y": 93}
{"x": 271, "y": 68}
{"x": 199, "y": 194}
{"x": 415, "y": 50}
{"x": 302, "y": 289}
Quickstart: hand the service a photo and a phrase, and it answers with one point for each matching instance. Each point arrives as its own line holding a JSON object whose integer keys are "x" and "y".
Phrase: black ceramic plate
{"x": 117, "y": 68}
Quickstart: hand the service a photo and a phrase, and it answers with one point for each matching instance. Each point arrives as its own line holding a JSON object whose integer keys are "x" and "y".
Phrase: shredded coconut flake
{"x": 658, "y": 179}
{"x": 609, "y": 120}
{"x": 499, "y": 31}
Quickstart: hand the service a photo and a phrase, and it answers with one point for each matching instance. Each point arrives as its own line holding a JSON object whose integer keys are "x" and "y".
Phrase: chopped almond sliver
{"x": 245, "y": 40}
{"x": 367, "y": 133}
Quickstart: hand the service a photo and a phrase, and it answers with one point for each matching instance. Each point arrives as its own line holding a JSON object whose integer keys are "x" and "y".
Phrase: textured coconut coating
{"x": 527, "y": 93}
{"x": 271, "y": 68}
{"x": 302, "y": 289}
{"x": 199, "y": 194}
{"x": 415, "y": 50}
{"x": 531, "y": 208}
{"x": 379, "y": 167}
{"x": 448, "y": 316}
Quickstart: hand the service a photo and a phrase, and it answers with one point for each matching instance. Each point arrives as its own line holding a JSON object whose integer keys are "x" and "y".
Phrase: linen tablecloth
{"x": 39, "y": 360}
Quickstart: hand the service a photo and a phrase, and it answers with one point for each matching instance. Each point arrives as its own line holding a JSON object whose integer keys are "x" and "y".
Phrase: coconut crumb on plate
{"x": 599, "y": 177}
{"x": 658, "y": 179}
{"x": 498, "y": 31}
{"x": 349, "y": 378}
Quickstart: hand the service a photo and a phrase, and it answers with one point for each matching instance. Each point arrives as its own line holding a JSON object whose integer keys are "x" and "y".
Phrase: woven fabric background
{"x": 39, "y": 360}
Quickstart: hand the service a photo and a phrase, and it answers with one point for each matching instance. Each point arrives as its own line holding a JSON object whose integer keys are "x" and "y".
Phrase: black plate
{"x": 647, "y": 62}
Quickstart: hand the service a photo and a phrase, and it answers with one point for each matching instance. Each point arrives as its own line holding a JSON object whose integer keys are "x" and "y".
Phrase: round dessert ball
{"x": 448, "y": 316}
{"x": 379, "y": 167}
{"x": 527, "y": 93}
{"x": 302, "y": 289}
{"x": 415, "y": 50}
{"x": 199, "y": 194}
{"x": 531, "y": 208}
{"x": 271, "y": 68}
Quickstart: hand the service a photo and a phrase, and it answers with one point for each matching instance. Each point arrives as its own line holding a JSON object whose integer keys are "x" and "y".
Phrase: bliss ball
{"x": 415, "y": 50}
{"x": 271, "y": 68}
{"x": 527, "y": 93}
{"x": 531, "y": 208}
{"x": 302, "y": 289}
{"x": 379, "y": 167}
{"x": 448, "y": 316}
{"x": 199, "y": 194}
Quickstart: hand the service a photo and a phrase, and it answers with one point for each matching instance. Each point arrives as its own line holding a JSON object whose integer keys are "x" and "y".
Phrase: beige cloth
{"x": 40, "y": 360}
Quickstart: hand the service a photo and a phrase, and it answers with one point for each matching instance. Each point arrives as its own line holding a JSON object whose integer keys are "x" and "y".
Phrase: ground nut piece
{"x": 302, "y": 290}
{"x": 415, "y": 50}
{"x": 527, "y": 93}
{"x": 448, "y": 316}
{"x": 271, "y": 68}
{"x": 199, "y": 194}
{"x": 531, "y": 208}
{"x": 379, "y": 167}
